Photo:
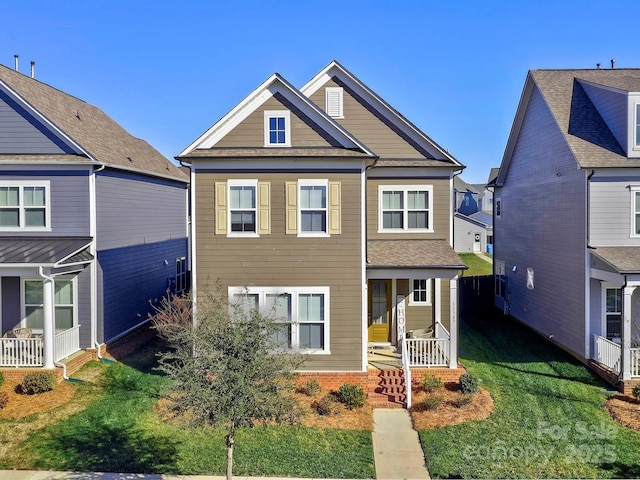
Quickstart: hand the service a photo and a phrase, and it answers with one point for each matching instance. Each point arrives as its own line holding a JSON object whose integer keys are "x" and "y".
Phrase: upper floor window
{"x": 24, "y": 205}
{"x": 635, "y": 210}
{"x": 638, "y": 125}
{"x": 277, "y": 128}
{"x": 405, "y": 208}
{"x": 333, "y": 102}
{"x": 242, "y": 208}
{"x": 313, "y": 208}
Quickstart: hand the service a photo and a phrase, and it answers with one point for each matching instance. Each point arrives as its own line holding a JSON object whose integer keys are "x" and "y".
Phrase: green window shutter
{"x": 264, "y": 208}
{"x": 221, "y": 208}
{"x": 334, "y": 208}
{"x": 291, "y": 208}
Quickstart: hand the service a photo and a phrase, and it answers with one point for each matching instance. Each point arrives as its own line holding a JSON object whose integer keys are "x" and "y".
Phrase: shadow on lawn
{"x": 491, "y": 337}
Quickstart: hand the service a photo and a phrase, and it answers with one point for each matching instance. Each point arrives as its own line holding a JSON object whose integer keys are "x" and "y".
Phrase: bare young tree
{"x": 227, "y": 367}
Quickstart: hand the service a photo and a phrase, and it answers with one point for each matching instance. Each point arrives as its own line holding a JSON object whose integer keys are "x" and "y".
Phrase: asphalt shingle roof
{"x": 90, "y": 127}
{"x": 623, "y": 259}
{"x": 412, "y": 254}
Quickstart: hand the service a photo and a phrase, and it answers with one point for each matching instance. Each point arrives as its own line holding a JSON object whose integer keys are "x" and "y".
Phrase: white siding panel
{"x": 542, "y": 226}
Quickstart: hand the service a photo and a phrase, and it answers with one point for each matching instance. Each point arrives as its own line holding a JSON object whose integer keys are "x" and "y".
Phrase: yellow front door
{"x": 379, "y": 302}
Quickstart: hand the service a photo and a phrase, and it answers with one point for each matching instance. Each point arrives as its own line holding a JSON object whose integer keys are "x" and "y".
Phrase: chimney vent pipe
{"x": 613, "y": 63}
{"x": 15, "y": 59}
{"x": 33, "y": 69}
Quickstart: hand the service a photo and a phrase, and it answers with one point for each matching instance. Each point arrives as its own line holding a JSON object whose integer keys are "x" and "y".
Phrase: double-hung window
{"x": 33, "y": 304}
{"x": 302, "y": 314}
{"x": 420, "y": 292}
{"x": 242, "y": 207}
{"x": 613, "y": 313}
{"x": 181, "y": 274}
{"x": 635, "y": 209}
{"x": 405, "y": 208}
{"x": 277, "y": 128}
{"x": 313, "y": 206}
{"x": 637, "y": 125}
{"x": 24, "y": 206}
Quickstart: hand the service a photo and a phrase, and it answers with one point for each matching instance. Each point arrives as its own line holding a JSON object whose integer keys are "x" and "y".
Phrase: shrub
{"x": 432, "y": 402}
{"x": 4, "y": 399}
{"x": 462, "y": 400}
{"x": 38, "y": 382}
{"x": 353, "y": 396}
{"x": 430, "y": 383}
{"x": 636, "y": 392}
{"x": 312, "y": 387}
{"x": 326, "y": 405}
{"x": 1, "y": 379}
{"x": 469, "y": 383}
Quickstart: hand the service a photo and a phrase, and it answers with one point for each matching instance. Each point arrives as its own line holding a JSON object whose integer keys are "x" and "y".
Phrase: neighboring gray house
{"x": 470, "y": 234}
{"x": 567, "y": 215}
{"x": 473, "y": 221}
{"x": 466, "y": 197}
{"x": 93, "y": 225}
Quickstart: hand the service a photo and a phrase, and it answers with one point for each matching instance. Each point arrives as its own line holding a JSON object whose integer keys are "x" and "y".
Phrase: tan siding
{"x": 440, "y": 209}
{"x": 250, "y": 132}
{"x": 278, "y": 259}
{"x": 367, "y": 127}
{"x": 446, "y": 304}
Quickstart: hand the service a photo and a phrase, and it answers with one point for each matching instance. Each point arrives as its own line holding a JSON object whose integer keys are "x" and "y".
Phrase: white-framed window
{"x": 24, "y": 205}
{"x": 33, "y": 304}
{"x": 334, "y": 101}
{"x": 277, "y": 128}
{"x": 613, "y": 312}
{"x": 181, "y": 274}
{"x": 312, "y": 211}
{"x": 635, "y": 210}
{"x": 303, "y": 313}
{"x": 405, "y": 208}
{"x": 637, "y": 129}
{"x": 420, "y": 294}
{"x": 243, "y": 213}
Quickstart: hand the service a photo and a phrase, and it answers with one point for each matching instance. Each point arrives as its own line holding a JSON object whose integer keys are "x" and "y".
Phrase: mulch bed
{"x": 21, "y": 405}
{"x": 624, "y": 410}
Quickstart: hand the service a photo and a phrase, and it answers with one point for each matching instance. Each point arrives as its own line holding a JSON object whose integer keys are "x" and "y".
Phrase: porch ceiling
{"x": 44, "y": 251}
{"x": 413, "y": 254}
{"x": 622, "y": 259}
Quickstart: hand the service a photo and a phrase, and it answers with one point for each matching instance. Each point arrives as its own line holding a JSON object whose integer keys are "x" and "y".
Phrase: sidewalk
{"x": 396, "y": 450}
{"x": 484, "y": 257}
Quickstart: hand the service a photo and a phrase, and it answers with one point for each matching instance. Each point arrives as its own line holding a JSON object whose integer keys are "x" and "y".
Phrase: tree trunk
{"x": 230, "y": 442}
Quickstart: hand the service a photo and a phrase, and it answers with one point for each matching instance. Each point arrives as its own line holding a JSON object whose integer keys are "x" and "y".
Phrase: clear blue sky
{"x": 167, "y": 70}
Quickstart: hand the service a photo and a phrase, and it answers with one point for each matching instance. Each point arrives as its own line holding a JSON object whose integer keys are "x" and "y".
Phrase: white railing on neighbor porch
{"x": 407, "y": 371}
{"x": 635, "y": 362}
{"x": 67, "y": 342}
{"x": 607, "y": 353}
{"x": 429, "y": 352}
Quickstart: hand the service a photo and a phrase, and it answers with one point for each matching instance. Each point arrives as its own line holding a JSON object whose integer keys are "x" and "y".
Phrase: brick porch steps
{"x": 390, "y": 391}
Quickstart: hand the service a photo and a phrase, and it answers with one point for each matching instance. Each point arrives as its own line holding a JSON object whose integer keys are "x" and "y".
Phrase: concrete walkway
{"x": 396, "y": 447}
{"x": 396, "y": 450}
{"x": 484, "y": 257}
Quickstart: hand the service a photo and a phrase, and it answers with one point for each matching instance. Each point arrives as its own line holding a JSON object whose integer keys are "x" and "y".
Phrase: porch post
{"x": 626, "y": 333}
{"x": 48, "y": 316}
{"x": 453, "y": 342}
{"x": 437, "y": 299}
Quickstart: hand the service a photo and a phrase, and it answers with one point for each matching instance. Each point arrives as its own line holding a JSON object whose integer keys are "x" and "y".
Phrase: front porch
{"x": 30, "y": 352}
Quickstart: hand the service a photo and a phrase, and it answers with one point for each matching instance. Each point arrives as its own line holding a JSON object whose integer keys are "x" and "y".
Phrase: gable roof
{"x": 413, "y": 133}
{"x": 583, "y": 128}
{"x": 89, "y": 132}
{"x": 275, "y": 84}
{"x": 459, "y": 185}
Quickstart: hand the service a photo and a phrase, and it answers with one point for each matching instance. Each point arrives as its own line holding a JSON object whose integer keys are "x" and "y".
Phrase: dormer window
{"x": 277, "y": 128}
{"x": 637, "y": 124}
{"x": 333, "y": 101}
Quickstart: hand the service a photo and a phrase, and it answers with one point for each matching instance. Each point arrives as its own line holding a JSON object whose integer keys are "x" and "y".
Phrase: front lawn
{"x": 549, "y": 419}
{"x": 118, "y": 431}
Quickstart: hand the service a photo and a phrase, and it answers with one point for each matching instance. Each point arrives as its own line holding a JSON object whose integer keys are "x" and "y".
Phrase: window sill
{"x": 420, "y": 304}
{"x": 24, "y": 229}
{"x": 243, "y": 235}
{"x": 407, "y": 231}
{"x": 313, "y": 235}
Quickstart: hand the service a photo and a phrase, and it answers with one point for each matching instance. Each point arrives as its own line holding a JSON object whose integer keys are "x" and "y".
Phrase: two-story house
{"x": 472, "y": 225}
{"x": 92, "y": 226}
{"x": 567, "y": 215}
{"x": 326, "y": 201}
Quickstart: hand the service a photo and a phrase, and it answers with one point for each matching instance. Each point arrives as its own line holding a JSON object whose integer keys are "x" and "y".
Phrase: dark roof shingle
{"x": 412, "y": 254}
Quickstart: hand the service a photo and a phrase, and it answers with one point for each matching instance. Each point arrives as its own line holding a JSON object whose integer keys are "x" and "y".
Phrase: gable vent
{"x": 333, "y": 99}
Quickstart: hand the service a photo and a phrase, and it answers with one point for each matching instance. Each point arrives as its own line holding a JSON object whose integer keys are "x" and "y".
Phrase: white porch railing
{"x": 21, "y": 352}
{"x": 427, "y": 352}
{"x": 407, "y": 371}
{"x": 67, "y": 342}
{"x": 441, "y": 331}
{"x": 607, "y": 353}
{"x": 29, "y": 352}
{"x": 635, "y": 362}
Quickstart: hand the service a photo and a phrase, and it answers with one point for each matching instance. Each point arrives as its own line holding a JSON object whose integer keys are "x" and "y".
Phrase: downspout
{"x": 452, "y": 202}
{"x": 93, "y": 214}
{"x": 364, "y": 303}
{"x": 192, "y": 240}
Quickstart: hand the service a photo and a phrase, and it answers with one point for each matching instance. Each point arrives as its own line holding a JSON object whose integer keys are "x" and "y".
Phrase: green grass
{"x": 549, "y": 419}
{"x": 477, "y": 266}
{"x": 119, "y": 432}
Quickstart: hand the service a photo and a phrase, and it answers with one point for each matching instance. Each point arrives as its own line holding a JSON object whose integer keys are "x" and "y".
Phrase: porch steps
{"x": 390, "y": 390}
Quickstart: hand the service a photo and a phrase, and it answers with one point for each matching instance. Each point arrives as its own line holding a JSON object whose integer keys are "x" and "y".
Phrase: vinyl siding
{"x": 10, "y": 295}
{"x": 83, "y": 296}
{"x": 137, "y": 210}
{"x": 612, "y": 107}
{"x": 250, "y": 132}
{"x": 440, "y": 211}
{"x": 368, "y": 126}
{"x": 20, "y": 133}
{"x": 129, "y": 279}
{"x": 543, "y": 227}
{"x": 611, "y": 214}
{"x": 69, "y": 196}
{"x": 278, "y": 259}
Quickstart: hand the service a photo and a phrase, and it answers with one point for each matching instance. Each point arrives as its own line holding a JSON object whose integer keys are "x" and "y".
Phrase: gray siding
{"x": 595, "y": 304}
{"x": 612, "y": 107}
{"x": 10, "y": 295}
{"x": 69, "y": 196}
{"x": 542, "y": 226}
{"x": 83, "y": 295}
{"x": 22, "y": 134}
{"x": 611, "y": 216}
{"x": 130, "y": 278}
{"x": 137, "y": 210}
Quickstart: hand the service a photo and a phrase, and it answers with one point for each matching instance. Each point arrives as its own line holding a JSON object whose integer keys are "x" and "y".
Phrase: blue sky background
{"x": 167, "y": 70}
